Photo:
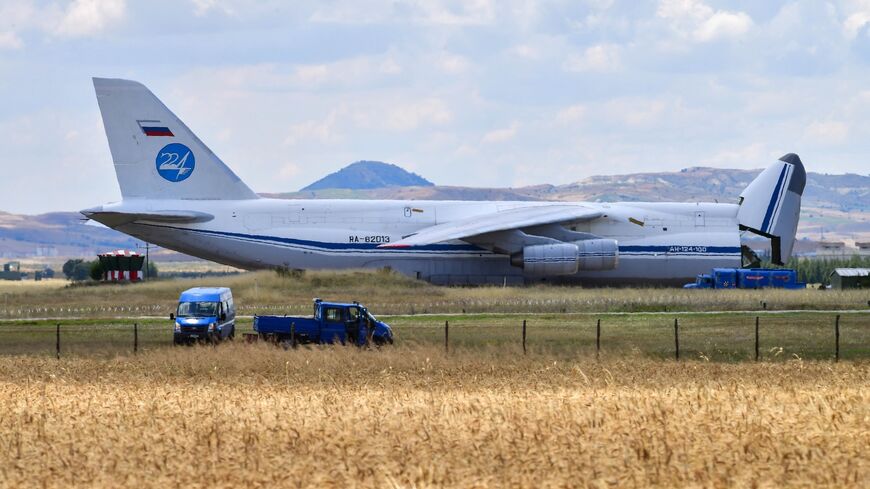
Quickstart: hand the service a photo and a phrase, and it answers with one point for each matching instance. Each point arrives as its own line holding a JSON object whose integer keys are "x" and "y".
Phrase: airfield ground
{"x": 412, "y": 415}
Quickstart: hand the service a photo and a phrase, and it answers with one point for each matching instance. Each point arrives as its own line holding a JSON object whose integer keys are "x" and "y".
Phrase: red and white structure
{"x": 122, "y": 265}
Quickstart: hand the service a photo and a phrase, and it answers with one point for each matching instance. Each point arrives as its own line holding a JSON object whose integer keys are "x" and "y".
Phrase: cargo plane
{"x": 178, "y": 194}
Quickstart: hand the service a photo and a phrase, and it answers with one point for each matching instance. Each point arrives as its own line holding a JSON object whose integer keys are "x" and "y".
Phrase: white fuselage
{"x": 658, "y": 242}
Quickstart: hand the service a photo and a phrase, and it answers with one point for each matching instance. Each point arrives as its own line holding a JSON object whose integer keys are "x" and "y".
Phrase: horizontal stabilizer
{"x": 498, "y": 221}
{"x": 115, "y": 218}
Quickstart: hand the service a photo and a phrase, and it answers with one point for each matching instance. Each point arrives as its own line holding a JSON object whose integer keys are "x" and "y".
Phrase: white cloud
{"x": 202, "y": 7}
{"x": 857, "y": 13}
{"x": 10, "y": 40}
{"x": 855, "y": 22}
{"x": 428, "y": 12}
{"x": 525, "y": 51}
{"x": 751, "y": 155}
{"x": 350, "y": 72}
{"x": 85, "y": 18}
{"x": 460, "y": 12}
{"x": 571, "y": 114}
{"x": 453, "y": 63}
{"x": 314, "y": 131}
{"x": 697, "y": 21}
{"x": 289, "y": 171}
{"x": 602, "y": 58}
{"x": 723, "y": 25}
{"x": 412, "y": 115}
{"x": 501, "y": 135}
{"x": 637, "y": 111}
{"x": 827, "y": 132}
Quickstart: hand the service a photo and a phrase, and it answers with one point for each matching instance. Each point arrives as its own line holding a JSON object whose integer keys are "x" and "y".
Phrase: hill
{"x": 56, "y": 234}
{"x": 369, "y": 175}
{"x": 52, "y": 237}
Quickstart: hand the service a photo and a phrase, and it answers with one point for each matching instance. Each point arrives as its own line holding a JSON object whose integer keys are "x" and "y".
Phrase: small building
{"x": 121, "y": 265}
{"x": 850, "y": 278}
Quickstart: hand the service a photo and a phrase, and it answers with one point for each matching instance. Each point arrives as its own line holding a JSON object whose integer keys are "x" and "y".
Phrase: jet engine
{"x": 568, "y": 258}
{"x": 598, "y": 254}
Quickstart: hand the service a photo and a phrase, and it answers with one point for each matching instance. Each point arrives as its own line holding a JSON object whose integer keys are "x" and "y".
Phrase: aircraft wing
{"x": 115, "y": 218}
{"x": 511, "y": 219}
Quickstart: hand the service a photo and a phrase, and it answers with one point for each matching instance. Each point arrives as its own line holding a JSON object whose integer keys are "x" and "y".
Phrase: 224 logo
{"x": 175, "y": 162}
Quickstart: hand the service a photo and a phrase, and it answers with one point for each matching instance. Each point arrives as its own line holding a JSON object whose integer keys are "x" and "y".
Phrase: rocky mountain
{"x": 369, "y": 175}
{"x": 849, "y": 192}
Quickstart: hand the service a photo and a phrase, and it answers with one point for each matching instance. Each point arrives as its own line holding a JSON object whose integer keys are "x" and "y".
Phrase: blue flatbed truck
{"x": 332, "y": 322}
{"x": 747, "y": 278}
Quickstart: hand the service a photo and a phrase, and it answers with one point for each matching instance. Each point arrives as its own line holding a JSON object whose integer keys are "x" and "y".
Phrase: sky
{"x": 469, "y": 92}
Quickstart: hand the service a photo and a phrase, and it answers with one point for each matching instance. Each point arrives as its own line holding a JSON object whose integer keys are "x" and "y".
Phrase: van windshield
{"x": 197, "y": 309}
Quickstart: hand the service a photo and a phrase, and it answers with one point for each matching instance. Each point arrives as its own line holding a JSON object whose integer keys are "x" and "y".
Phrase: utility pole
{"x": 147, "y": 247}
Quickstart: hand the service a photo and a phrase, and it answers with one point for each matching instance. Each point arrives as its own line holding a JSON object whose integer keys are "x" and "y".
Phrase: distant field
{"x": 391, "y": 293}
{"x": 255, "y": 415}
{"x": 720, "y": 337}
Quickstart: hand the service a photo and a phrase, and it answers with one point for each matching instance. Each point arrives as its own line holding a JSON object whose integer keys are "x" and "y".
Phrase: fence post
{"x": 57, "y": 343}
{"x": 524, "y": 336}
{"x": 677, "y": 339}
{"x": 598, "y": 339}
{"x": 446, "y": 336}
{"x": 837, "y": 339}
{"x": 756, "y": 339}
{"x": 135, "y": 338}
{"x": 293, "y": 334}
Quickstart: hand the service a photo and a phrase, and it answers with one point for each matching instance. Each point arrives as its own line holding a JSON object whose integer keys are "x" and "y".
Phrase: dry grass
{"x": 21, "y": 286}
{"x": 391, "y": 293}
{"x": 245, "y": 415}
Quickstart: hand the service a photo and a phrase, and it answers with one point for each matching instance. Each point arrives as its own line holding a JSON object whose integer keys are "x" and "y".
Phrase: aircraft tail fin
{"x": 770, "y": 205}
{"x": 156, "y": 156}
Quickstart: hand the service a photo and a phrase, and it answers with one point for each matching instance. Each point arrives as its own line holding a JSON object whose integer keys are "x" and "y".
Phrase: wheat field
{"x": 255, "y": 415}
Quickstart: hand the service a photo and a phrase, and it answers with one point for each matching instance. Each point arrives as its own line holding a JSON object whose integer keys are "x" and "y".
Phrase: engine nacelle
{"x": 548, "y": 259}
{"x": 568, "y": 258}
{"x": 598, "y": 254}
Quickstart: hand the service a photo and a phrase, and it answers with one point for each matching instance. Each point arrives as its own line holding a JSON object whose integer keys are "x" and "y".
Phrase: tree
{"x": 96, "y": 270}
{"x": 70, "y": 266}
{"x": 152, "y": 270}
{"x": 77, "y": 269}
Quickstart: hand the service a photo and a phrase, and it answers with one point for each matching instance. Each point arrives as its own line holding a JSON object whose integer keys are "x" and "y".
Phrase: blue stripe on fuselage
{"x": 693, "y": 250}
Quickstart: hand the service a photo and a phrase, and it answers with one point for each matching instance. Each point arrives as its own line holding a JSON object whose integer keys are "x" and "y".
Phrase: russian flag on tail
{"x": 155, "y": 128}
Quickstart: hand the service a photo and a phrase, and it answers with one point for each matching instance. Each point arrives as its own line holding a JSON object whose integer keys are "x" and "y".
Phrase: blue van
{"x": 205, "y": 313}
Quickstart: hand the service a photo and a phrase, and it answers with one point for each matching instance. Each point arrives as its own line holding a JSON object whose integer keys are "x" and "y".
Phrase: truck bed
{"x": 281, "y": 325}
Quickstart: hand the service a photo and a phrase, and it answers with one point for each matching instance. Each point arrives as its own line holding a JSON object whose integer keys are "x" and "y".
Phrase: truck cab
{"x": 204, "y": 314}
{"x": 702, "y": 281}
{"x": 332, "y": 322}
